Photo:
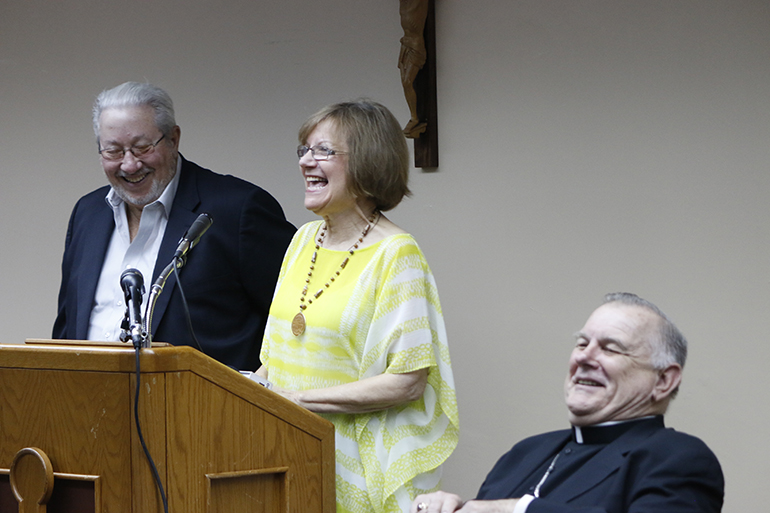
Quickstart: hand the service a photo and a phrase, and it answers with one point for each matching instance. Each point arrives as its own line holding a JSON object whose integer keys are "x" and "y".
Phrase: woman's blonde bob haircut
{"x": 378, "y": 157}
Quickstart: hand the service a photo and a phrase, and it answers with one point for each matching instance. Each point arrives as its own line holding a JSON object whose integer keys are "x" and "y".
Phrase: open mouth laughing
{"x": 587, "y": 382}
{"x": 135, "y": 178}
{"x": 315, "y": 183}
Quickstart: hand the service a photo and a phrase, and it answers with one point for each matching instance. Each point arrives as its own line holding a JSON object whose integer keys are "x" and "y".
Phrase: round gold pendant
{"x": 298, "y": 325}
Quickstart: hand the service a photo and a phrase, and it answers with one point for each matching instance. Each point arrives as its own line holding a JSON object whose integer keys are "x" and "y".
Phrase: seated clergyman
{"x": 618, "y": 456}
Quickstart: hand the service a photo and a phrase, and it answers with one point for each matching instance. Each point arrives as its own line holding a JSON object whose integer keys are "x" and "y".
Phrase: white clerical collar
{"x": 577, "y": 431}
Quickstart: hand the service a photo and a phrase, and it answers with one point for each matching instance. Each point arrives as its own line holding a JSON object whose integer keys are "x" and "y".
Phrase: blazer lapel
{"x": 592, "y": 473}
{"x": 181, "y": 217}
{"x": 514, "y": 472}
{"x": 533, "y": 460}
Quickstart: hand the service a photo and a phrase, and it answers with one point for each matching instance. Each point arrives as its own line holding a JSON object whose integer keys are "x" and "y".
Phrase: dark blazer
{"x": 650, "y": 468}
{"x": 229, "y": 278}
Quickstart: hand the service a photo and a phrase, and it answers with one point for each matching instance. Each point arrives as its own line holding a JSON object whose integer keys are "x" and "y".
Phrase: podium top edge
{"x": 98, "y": 343}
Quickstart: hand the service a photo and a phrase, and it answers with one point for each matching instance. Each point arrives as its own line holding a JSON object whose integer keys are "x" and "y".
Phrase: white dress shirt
{"x": 122, "y": 253}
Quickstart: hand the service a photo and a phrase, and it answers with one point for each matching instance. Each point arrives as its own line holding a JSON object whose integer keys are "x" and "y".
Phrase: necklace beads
{"x": 298, "y": 324}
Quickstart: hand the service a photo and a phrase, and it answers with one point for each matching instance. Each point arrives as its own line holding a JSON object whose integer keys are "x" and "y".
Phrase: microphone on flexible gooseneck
{"x": 132, "y": 283}
{"x": 193, "y": 234}
{"x": 190, "y": 238}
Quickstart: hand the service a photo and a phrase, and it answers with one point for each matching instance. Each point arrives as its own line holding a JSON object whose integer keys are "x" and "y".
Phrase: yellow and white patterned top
{"x": 381, "y": 315}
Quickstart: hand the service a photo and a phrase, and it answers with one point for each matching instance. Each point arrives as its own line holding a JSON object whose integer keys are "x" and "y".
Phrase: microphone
{"x": 132, "y": 283}
{"x": 193, "y": 234}
{"x": 186, "y": 243}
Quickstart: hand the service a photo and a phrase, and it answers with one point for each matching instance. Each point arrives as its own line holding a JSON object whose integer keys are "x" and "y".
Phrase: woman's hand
{"x": 291, "y": 395}
{"x": 367, "y": 395}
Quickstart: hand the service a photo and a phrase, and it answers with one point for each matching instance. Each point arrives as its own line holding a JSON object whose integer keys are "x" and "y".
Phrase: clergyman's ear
{"x": 668, "y": 382}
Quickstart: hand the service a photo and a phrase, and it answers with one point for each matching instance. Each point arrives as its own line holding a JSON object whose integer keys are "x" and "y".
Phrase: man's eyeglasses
{"x": 136, "y": 151}
{"x": 318, "y": 152}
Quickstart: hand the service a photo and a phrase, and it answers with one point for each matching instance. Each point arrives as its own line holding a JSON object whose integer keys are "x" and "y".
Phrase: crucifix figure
{"x": 412, "y": 58}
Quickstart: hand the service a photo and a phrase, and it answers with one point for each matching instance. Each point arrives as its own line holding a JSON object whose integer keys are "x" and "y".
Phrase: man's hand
{"x": 442, "y": 502}
{"x": 437, "y": 502}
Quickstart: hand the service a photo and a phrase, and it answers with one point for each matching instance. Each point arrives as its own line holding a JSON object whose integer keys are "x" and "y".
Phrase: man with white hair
{"x": 154, "y": 195}
{"x": 618, "y": 457}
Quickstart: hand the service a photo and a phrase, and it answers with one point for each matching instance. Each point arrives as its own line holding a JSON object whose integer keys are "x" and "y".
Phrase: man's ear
{"x": 176, "y": 135}
{"x": 668, "y": 382}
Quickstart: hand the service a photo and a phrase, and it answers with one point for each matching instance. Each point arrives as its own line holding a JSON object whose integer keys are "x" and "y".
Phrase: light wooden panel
{"x": 230, "y": 436}
{"x": 77, "y": 418}
{"x": 260, "y": 491}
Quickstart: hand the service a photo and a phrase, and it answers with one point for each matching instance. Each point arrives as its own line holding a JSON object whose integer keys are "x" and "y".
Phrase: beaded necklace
{"x": 298, "y": 324}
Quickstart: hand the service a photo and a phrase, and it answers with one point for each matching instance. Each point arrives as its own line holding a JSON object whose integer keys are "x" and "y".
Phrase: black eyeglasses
{"x": 136, "y": 151}
{"x": 318, "y": 152}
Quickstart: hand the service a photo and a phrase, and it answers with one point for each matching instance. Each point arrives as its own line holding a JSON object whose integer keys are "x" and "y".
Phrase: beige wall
{"x": 585, "y": 147}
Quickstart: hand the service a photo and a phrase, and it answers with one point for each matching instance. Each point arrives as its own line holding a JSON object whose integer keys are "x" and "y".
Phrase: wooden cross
{"x": 417, "y": 63}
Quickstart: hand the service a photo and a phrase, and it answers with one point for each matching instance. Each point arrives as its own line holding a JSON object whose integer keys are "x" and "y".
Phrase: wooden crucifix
{"x": 417, "y": 62}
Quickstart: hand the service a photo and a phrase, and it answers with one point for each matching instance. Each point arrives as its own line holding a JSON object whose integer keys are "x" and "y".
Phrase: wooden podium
{"x": 221, "y": 442}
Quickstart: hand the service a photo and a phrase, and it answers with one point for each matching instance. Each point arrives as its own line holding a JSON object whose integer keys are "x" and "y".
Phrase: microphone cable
{"x": 154, "y": 469}
{"x": 185, "y": 306}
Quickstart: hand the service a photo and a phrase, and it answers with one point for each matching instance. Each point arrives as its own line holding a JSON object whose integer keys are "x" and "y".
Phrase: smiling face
{"x": 326, "y": 181}
{"x": 610, "y": 376}
{"x": 138, "y": 182}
